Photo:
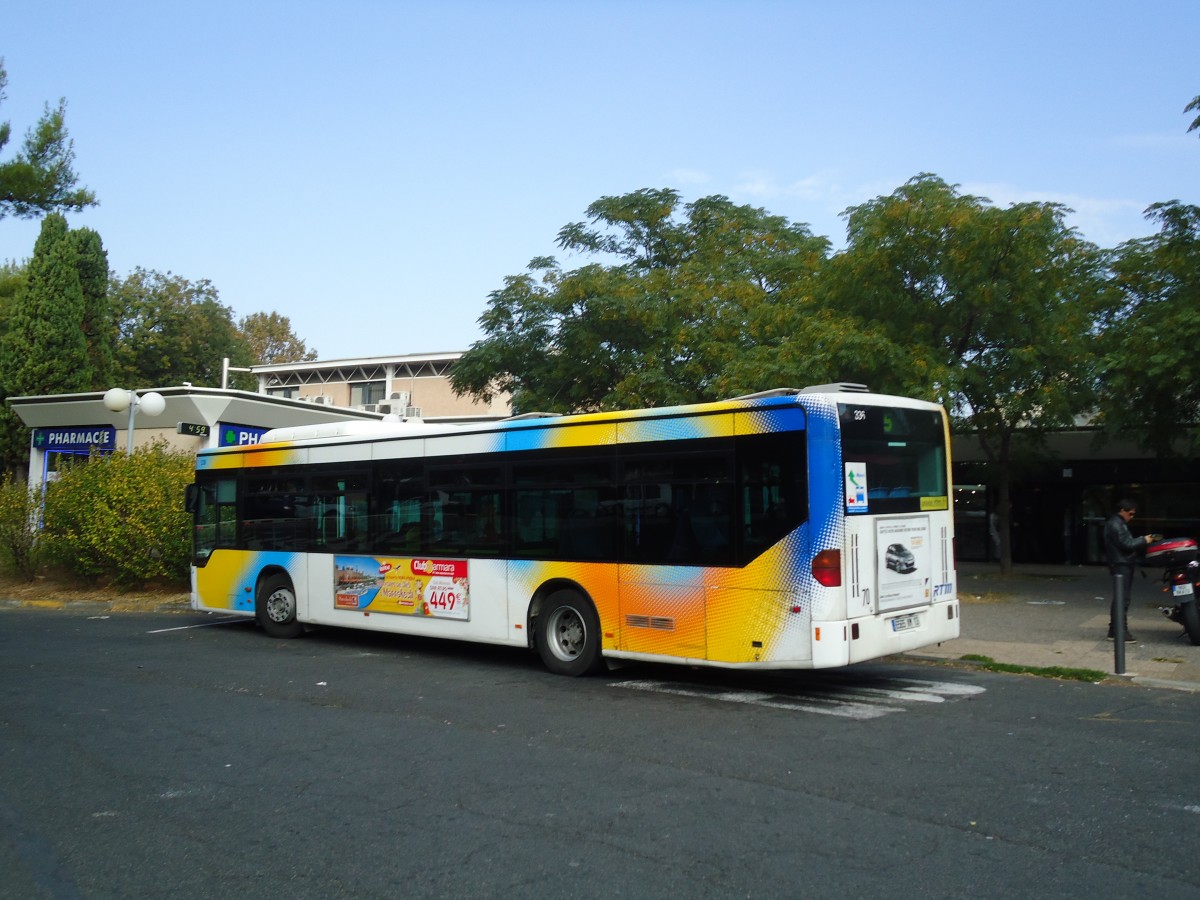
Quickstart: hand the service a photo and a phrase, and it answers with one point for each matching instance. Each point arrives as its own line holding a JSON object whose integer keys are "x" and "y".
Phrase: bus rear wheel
{"x": 275, "y": 607}
{"x": 567, "y": 634}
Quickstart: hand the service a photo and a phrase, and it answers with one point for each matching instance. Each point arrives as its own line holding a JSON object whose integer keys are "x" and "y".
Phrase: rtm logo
{"x": 943, "y": 590}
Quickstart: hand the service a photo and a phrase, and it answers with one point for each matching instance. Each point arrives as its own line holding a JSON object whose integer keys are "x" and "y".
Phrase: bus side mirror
{"x": 191, "y": 498}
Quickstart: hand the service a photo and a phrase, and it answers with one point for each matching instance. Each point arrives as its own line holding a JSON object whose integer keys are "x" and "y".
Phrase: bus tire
{"x": 275, "y": 607}
{"x": 567, "y": 633}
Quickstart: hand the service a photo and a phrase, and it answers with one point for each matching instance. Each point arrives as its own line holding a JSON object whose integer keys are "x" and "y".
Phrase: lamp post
{"x": 226, "y": 368}
{"x": 151, "y": 403}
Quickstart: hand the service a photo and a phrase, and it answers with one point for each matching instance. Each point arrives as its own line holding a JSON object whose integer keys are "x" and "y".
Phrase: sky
{"x": 374, "y": 170}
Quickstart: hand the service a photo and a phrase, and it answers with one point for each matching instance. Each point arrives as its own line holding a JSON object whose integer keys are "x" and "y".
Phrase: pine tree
{"x": 99, "y": 317}
{"x": 44, "y": 349}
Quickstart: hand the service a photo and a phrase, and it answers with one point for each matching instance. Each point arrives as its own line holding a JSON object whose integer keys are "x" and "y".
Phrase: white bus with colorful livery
{"x": 790, "y": 529}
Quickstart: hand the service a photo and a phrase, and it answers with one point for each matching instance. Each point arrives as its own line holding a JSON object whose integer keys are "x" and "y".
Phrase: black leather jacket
{"x": 1121, "y": 548}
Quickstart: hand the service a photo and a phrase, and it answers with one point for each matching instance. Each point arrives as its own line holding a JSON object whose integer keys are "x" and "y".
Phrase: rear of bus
{"x": 891, "y": 583}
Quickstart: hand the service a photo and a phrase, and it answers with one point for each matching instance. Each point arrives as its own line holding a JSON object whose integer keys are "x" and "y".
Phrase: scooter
{"x": 1180, "y": 562}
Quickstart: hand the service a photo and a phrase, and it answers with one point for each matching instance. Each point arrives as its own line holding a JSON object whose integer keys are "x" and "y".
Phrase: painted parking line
{"x": 848, "y": 700}
{"x": 228, "y": 621}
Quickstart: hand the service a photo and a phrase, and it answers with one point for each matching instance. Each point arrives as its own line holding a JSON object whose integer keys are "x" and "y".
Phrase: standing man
{"x": 1120, "y": 552}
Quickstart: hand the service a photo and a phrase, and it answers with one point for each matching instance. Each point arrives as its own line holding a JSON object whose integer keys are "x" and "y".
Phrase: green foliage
{"x": 666, "y": 322}
{"x": 1060, "y": 672}
{"x": 170, "y": 330}
{"x": 270, "y": 339}
{"x": 995, "y": 305}
{"x": 19, "y": 543}
{"x": 938, "y": 294}
{"x": 44, "y": 347}
{"x": 99, "y": 325}
{"x": 1194, "y": 106}
{"x": 173, "y": 330}
{"x": 41, "y": 177}
{"x": 1150, "y": 386}
{"x": 121, "y": 518}
{"x": 13, "y": 278}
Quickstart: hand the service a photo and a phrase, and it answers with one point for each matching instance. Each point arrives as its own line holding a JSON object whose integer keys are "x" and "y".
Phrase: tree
{"x": 1194, "y": 106}
{"x": 43, "y": 349}
{"x": 13, "y": 276}
{"x": 1150, "y": 388}
{"x": 99, "y": 324}
{"x": 171, "y": 330}
{"x": 658, "y": 315}
{"x": 270, "y": 339}
{"x": 996, "y": 308}
{"x": 40, "y": 178}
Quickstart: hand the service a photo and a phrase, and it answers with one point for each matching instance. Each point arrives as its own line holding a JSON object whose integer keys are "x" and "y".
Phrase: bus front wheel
{"x": 275, "y": 607}
{"x": 568, "y": 635}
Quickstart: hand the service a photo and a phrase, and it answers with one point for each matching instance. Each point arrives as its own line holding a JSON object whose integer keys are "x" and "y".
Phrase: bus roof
{"x": 338, "y": 432}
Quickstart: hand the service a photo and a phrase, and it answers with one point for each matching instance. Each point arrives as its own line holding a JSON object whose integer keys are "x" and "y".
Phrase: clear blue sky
{"x": 373, "y": 170}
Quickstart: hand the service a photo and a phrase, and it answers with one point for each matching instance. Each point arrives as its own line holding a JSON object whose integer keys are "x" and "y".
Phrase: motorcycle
{"x": 1180, "y": 562}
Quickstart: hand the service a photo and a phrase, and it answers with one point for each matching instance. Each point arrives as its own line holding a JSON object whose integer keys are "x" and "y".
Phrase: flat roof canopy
{"x": 206, "y": 406}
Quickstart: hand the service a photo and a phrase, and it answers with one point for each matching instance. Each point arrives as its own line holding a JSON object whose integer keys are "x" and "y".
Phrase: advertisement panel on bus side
{"x": 420, "y": 586}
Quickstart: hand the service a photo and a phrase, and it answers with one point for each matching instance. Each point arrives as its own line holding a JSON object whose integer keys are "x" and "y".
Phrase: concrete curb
{"x": 117, "y": 605}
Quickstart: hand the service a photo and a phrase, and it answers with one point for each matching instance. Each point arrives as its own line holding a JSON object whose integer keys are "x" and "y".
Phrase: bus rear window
{"x": 893, "y": 458}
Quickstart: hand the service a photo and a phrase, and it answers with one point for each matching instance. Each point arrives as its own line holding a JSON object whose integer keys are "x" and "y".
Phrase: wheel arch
{"x": 270, "y": 571}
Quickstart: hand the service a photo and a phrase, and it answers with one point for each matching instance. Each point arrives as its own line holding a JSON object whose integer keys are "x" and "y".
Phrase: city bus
{"x": 789, "y": 529}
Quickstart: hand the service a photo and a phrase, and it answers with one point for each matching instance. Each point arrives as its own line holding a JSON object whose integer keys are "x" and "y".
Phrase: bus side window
{"x": 773, "y": 489}
{"x": 339, "y": 503}
{"x": 678, "y": 507}
{"x": 394, "y": 509}
{"x": 215, "y": 522}
{"x": 466, "y": 507}
{"x": 275, "y": 512}
{"x": 566, "y": 507}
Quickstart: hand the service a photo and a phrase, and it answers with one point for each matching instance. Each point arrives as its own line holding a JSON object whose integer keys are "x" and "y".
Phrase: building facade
{"x": 1063, "y": 489}
{"x": 413, "y": 386}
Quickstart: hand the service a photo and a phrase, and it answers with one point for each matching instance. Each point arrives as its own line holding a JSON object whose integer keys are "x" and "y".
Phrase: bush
{"x": 121, "y": 517}
{"x": 20, "y": 544}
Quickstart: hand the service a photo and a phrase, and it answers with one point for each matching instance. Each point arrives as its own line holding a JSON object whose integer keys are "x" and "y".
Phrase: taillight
{"x": 827, "y": 568}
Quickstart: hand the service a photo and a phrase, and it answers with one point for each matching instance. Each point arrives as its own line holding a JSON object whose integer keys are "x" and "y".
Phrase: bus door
{"x": 677, "y": 520}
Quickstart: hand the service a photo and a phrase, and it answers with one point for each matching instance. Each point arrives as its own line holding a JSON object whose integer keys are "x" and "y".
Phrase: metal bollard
{"x": 1118, "y": 623}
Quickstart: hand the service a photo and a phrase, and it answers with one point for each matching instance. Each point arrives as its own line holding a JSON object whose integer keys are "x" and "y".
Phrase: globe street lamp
{"x": 151, "y": 403}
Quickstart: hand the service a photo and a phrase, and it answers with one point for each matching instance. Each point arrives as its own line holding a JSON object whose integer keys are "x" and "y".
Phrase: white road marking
{"x": 851, "y": 702}
{"x": 202, "y": 625}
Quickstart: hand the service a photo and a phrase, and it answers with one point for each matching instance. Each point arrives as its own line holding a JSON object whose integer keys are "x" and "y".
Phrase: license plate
{"x": 905, "y": 623}
{"x": 1182, "y": 590}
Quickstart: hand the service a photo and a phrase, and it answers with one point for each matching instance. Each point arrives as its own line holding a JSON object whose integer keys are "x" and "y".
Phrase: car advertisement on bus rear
{"x": 904, "y": 562}
{"x": 418, "y": 586}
